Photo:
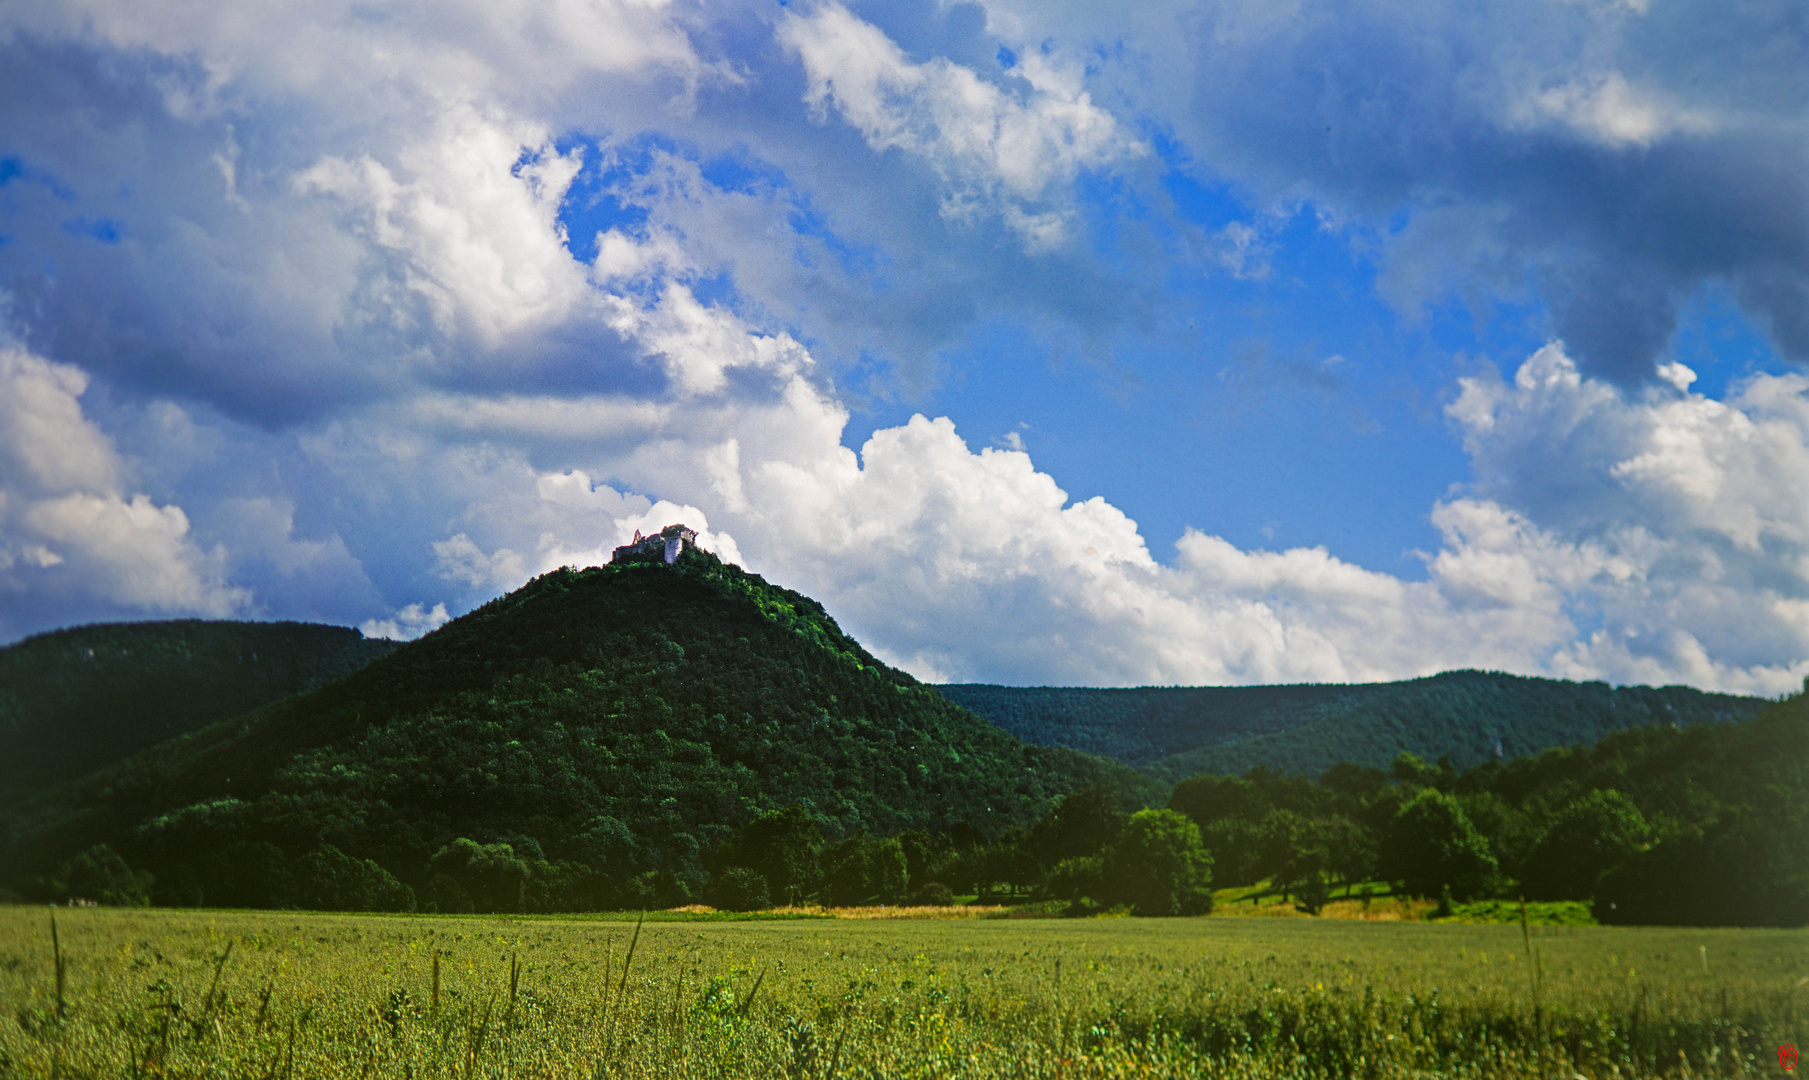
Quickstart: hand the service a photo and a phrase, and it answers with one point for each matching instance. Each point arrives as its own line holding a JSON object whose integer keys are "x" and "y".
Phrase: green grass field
{"x": 283, "y": 995}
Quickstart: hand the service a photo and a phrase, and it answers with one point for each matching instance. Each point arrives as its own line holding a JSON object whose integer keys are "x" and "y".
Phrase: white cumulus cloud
{"x": 343, "y": 252}
{"x": 473, "y": 222}
{"x": 1673, "y": 559}
{"x": 406, "y": 623}
{"x": 1696, "y": 510}
{"x": 994, "y": 151}
{"x": 71, "y": 531}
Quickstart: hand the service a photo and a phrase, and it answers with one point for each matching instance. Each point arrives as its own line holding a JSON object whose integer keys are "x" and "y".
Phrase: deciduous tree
{"x": 1160, "y": 867}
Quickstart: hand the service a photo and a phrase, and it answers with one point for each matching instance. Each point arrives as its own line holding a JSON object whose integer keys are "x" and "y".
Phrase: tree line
{"x": 1705, "y": 825}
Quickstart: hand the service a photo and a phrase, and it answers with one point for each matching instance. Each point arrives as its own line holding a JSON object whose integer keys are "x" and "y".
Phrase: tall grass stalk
{"x": 628, "y": 962}
{"x": 1532, "y": 965}
{"x": 60, "y": 966}
{"x": 614, "y": 1009}
{"x": 209, "y": 999}
{"x": 514, "y": 984}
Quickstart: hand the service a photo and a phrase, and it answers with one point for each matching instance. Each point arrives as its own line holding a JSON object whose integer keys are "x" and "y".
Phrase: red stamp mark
{"x": 1787, "y": 1056}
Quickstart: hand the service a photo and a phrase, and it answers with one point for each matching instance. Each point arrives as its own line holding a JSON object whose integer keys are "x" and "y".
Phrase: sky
{"x": 1047, "y": 343}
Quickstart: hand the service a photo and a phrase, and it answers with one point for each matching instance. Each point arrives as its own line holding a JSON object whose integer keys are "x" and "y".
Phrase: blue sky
{"x": 1185, "y": 343}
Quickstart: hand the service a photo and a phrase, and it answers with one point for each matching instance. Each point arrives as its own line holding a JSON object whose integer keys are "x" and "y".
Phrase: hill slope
{"x": 625, "y": 718}
{"x": 1176, "y": 732}
{"x": 75, "y": 700}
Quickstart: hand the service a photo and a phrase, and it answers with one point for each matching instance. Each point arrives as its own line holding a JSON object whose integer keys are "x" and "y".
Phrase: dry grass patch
{"x": 872, "y": 911}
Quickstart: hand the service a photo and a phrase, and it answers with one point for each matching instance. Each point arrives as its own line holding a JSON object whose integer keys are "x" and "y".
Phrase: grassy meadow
{"x": 283, "y": 995}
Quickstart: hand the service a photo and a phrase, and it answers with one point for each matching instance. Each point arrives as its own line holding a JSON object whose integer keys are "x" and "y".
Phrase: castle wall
{"x": 666, "y": 547}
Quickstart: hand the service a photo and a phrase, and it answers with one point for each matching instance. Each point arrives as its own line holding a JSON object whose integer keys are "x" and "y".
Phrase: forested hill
{"x": 1474, "y": 716}
{"x": 74, "y": 700}
{"x": 618, "y": 721}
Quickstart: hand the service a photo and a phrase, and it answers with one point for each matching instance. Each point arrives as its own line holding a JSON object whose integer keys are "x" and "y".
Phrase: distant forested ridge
{"x": 1472, "y": 716}
{"x": 594, "y": 735}
{"x": 75, "y": 700}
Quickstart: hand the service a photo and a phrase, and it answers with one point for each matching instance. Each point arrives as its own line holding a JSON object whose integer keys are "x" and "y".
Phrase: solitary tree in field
{"x": 1206, "y": 799}
{"x": 100, "y": 875}
{"x": 890, "y": 872}
{"x": 1431, "y": 844}
{"x": 780, "y": 846}
{"x": 1352, "y": 848}
{"x": 739, "y": 888}
{"x": 1160, "y": 866}
{"x": 861, "y": 869}
{"x": 1592, "y": 836}
{"x": 1083, "y": 823}
{"x": 327, "y": 879}
{"x": 1410, "y": 768}
{"x": 469, "y": 876}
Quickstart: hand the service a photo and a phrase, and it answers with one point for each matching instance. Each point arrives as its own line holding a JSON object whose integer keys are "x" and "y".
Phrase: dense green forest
{"x": 590, "y": 739}
{"x": 1471, "y": 716}
{"x": 1655, "y": 825}
{"x": 74, "y": 700}
{"x": 1705, "y": 825}
{"x": 644, "y": 734}
{"x": 1142, "y": 725}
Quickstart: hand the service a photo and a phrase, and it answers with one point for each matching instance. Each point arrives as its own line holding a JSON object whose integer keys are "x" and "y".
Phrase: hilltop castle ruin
{"x": 666, "y": 545}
